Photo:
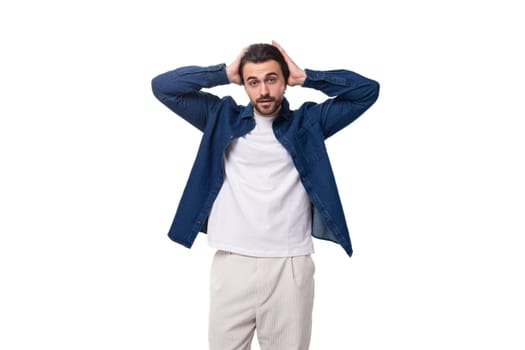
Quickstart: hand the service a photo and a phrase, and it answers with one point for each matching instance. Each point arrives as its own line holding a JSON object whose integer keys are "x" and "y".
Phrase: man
{"x": 261, "y": 187}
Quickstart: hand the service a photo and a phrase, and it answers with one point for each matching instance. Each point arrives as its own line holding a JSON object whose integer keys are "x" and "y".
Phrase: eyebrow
{"x": 266, "y": 76}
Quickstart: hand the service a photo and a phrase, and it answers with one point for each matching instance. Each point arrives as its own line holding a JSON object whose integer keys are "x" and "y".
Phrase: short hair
{"x": 258, "y": 53}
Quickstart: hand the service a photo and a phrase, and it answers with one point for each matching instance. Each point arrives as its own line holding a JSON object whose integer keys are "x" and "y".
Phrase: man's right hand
{"x": 232, "y": 71}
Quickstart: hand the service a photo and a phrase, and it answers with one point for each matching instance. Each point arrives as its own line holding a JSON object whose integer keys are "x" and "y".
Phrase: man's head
{"x": 264, "y": 74}
{"x": 258, "y": 53}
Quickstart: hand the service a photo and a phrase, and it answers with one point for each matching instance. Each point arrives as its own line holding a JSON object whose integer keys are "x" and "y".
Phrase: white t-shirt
{"x": 262, "y": 208}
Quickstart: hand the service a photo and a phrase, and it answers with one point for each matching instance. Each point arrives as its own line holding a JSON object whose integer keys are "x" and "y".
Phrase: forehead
{"x": 262, "y": 69}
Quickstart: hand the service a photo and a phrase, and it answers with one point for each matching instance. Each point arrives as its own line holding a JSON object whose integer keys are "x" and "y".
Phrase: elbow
{"x": 374, "y": 94}
{"x": 156, "y": 87}
{"x": 369, "y": 96}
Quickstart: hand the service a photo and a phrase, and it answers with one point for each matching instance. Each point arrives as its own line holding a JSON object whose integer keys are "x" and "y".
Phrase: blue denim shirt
{"x": 302, "y": 132}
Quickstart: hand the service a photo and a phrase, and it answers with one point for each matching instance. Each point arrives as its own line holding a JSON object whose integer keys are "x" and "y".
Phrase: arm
{"x": 353, "y": 94}
{"x": 180, "y": 91}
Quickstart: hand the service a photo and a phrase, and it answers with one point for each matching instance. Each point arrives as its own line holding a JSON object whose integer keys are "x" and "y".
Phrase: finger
{"x": 283, "y": 52}
{"x": 276, "y": 44}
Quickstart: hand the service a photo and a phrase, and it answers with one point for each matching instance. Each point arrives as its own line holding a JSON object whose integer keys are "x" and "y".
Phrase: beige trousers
{"x": 271, "y": 295}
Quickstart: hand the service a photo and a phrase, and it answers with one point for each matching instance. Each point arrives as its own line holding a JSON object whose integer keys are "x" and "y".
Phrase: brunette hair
{"x": 258, "y": 53}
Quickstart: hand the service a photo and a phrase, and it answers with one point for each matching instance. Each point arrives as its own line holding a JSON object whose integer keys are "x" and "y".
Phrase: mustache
{"x": 266, "y": 98}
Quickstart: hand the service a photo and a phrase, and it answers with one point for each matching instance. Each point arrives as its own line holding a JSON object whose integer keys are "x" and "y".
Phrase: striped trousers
{"x": 272, "y": 297}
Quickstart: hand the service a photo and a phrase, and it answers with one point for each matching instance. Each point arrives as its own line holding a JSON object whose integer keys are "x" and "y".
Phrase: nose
{"x": 263, "y": 89}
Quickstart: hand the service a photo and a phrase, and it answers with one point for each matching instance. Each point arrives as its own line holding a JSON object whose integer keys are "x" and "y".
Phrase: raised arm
{"x": 180, "y": 91}
{"x": 352, "y": 95}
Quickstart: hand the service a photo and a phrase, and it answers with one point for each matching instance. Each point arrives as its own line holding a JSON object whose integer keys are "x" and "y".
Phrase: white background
{"x": 92, "y": 167}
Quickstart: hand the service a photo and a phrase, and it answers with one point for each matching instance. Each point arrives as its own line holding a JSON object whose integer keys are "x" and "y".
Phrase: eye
{"x": 253, "y": 83}
{"x": 271, "y": 80}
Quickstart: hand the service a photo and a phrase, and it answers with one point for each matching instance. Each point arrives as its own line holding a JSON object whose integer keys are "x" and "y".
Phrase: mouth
{"x": 265, "y": 100}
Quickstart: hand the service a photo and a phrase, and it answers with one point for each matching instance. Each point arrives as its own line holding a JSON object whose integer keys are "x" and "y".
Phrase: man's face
{"x": 264, "y": 83}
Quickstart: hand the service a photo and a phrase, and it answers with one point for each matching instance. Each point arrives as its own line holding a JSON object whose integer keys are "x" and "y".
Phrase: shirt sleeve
{"x": 352, "y": 94}
{"x": 180, "y": 91}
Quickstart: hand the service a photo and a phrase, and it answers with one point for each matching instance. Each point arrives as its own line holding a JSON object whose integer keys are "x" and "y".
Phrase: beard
{"x": 267, "y": 106}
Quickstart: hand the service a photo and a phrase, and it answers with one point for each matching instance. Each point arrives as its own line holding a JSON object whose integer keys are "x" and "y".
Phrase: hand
{"x": 297, "y": 75}
{"x": 232, "y": 71}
